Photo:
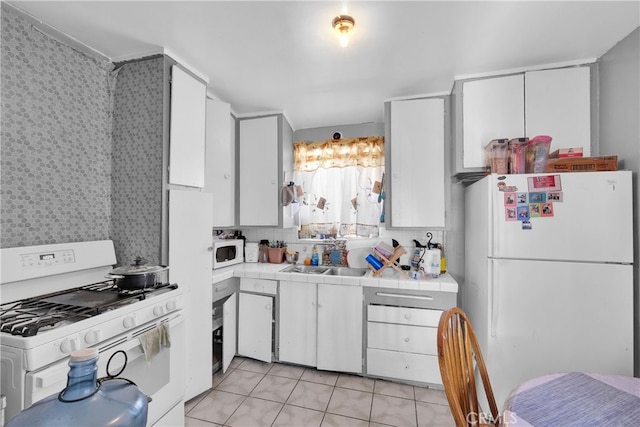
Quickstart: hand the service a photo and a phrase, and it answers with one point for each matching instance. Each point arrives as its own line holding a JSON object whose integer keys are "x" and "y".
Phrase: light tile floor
{"x": 257, "y": 394}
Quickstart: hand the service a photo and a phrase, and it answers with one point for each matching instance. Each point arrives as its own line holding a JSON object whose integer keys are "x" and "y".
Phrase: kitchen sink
{"x": 331, "y": 271}
{"x": 346, "y": 271}
{"x": 306, "y": 269}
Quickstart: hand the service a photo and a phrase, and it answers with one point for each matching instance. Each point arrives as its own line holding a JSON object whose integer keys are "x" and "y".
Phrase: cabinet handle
{"x": 406, "y": 367}
{"x": 210, "y": 248}
{"x": 407, "y": 316}
{"x": 226, "y": 176}
{"x": 267, "y": 307}
{"x": 406, "y": 339}
{"x": 386, "y": 294}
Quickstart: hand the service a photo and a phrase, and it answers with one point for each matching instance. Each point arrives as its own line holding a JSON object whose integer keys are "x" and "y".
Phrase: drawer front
{"x": 224, "y": 288}
{"x": 410, "y": 339}
{"x": 263, "y": 286}
{"x": 403, "y": 315}
{"x": 404, "y": 366}
{"x": 437, "y": 300}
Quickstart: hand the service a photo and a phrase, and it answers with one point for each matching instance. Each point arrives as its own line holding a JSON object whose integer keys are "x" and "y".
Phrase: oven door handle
{"x": 132, "y": 345}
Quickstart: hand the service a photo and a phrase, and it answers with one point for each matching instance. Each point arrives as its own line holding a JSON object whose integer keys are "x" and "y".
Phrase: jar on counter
{"x": 263, "y": 251}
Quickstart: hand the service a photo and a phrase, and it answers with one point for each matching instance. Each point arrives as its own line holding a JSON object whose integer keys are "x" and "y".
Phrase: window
{"x": 341, "y": 183}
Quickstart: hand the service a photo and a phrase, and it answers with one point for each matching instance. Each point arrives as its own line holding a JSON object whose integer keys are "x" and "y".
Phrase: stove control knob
{"x": 171, "y": 305}
{"x": 158, "y": 310}
{"x": 69, "y": 345}
{"x": 93, "y": 336}
{"x": 129, "y": 322}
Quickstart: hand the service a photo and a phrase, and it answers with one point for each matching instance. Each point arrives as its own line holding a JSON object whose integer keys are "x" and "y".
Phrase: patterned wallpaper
{"x": 55, "y": 130}
{"x": 136, "y": 204}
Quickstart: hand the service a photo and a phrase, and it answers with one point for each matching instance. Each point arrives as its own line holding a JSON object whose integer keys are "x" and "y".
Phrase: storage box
{"x": 537, "y": 154}
{"x": 496, "y": 156}
{"x": 583, "y": 164}
{"x": 517, "y": 152}
{"x": 563, "y": 153}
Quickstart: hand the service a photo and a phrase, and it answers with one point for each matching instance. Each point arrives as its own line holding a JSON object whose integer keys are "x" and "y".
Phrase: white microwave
{"x": 227, "y": 252}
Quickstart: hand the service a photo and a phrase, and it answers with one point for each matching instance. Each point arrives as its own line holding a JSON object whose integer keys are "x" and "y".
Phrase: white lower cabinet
{"x": 256, "y": 319}
{"x": 297, "y": 323}
{"x": 401, "y": 343}
{"x": 339, "y": 328}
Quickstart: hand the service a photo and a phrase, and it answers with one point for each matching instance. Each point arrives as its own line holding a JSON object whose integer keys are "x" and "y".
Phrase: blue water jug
{"x": 87, "y": 401}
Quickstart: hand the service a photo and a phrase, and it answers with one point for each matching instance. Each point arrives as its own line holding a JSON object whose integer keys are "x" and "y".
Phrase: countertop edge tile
{"x": 268, "y": 271}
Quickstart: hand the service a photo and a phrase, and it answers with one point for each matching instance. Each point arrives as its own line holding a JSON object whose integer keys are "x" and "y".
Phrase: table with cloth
{"x": 574, "y": 399}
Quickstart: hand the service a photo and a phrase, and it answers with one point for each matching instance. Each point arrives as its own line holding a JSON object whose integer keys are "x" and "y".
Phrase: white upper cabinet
{"x": 220, "y": 162}
{"x": 417, "y": 163}
{"x": 266, "y": 162}
{"x": 558, "y": 104}
{"x": 491, "y": 109}
{"x": 554, "y": 102}
{"x": 187, "y": 130}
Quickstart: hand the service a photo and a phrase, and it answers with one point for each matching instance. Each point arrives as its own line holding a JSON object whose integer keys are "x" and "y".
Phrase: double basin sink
{"x": 326, "y": 270}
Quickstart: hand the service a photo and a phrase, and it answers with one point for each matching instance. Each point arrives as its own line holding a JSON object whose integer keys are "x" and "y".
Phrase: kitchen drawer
{"x": 262, "y": 286}
{"x": 403, "y": 366}
{"x": 415, "y": 298}
{"x": 403, "y": 315}
{"x": 411, "y": 339}
{"x": 224, "y": 288}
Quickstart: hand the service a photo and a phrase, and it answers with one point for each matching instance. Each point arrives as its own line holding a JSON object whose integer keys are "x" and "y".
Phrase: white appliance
{"x": 55, "y": 300}
{"x": 227, "y": 252}
{"x": 554, "y": 293}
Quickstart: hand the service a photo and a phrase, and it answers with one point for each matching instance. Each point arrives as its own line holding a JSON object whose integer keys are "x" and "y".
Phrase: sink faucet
{"x": 330, "y": 246}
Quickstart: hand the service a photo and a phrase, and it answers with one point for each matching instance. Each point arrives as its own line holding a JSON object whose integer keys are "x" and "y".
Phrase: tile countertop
{"x": 388, "y": 279}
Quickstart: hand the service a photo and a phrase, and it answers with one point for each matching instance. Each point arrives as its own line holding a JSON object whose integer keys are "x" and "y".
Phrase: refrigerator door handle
{"x": 493, "y": 308}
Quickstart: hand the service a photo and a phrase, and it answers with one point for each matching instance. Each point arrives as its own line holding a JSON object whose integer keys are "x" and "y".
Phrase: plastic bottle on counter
{"x": 87, "y": 400}
{"x": 314, "y": 256}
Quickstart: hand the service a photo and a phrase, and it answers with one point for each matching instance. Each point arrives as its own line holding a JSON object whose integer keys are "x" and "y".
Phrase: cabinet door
{"x": 340, "y": 328}
{"x": 254, "y": 326}
{"x": 187, "y": 130}
{"x": 258, "y": 150}
{"x": 220, "y": 164}
{"x": 191, "y": 263}
{"x": 558, "y": 104}
{"x": 297, "y": 323}
{"x": 491, "y": 108}
{"x": 417, "y": 163}
{"x": 229, "y": 343}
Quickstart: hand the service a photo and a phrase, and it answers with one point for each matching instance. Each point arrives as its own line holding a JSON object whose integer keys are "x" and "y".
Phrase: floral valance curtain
{"x": 367, "y": 152}
{"x": 341, "y": 183}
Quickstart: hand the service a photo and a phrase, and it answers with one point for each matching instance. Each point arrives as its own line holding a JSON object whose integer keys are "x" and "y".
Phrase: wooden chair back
{"x": 458, "y": 356}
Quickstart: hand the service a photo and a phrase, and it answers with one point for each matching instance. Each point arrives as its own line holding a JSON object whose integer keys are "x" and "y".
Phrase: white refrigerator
{"x": 548, "y": 274}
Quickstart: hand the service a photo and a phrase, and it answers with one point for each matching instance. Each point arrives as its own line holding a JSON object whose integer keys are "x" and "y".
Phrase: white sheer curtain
{"x": 341, "y": 183}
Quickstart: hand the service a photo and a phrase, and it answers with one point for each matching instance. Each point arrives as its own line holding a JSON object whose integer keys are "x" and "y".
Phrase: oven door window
{"x": 162, "y": 378}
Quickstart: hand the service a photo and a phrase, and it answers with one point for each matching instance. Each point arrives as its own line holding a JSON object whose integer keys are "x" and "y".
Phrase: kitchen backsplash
{"x": 56, "y": 140}
{"x": 136, "y": 207}
{"x": 290, "y": 236}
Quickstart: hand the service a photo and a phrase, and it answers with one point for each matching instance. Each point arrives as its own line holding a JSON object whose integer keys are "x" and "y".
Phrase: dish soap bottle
{"x": 314, "y": 256}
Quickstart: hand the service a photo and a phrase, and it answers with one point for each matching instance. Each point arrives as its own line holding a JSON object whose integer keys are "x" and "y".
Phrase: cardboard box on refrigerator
{"x": 562, "y": 153}
{"x": 583, "y": 164}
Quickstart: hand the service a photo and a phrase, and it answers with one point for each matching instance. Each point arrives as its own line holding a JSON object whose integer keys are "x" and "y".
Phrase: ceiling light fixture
{"x": 343, "y": 24}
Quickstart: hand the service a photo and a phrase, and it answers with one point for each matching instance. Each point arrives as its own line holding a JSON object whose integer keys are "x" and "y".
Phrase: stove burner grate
{"x": 29, "y": 316}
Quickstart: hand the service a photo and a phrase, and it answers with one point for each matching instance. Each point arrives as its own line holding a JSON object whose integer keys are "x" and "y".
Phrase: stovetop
{"x": 30, "y": 316}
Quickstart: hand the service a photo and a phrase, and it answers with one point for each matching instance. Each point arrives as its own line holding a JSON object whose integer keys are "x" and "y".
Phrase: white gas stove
{"x": 54, "y": 299}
